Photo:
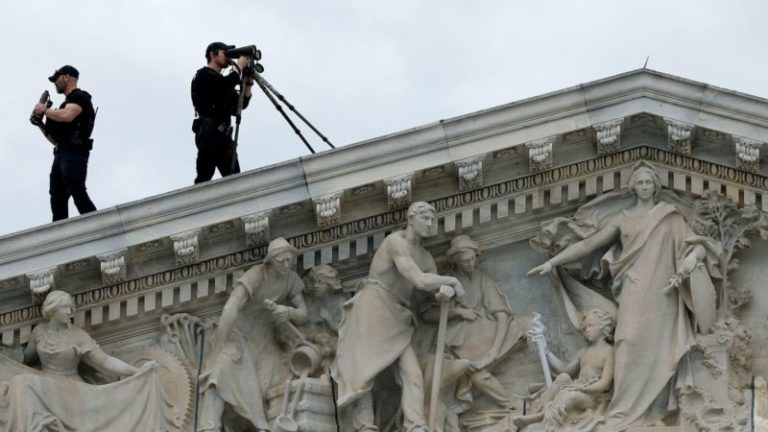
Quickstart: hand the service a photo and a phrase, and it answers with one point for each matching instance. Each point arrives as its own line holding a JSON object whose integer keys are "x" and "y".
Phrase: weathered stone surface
{"x": 494, "y": 176}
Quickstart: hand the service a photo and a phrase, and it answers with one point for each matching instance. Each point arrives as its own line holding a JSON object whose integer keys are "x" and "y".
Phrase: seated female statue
{"x": 57, "y": 398}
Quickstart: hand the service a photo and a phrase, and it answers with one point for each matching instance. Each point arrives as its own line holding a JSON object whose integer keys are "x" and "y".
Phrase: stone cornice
{"x": 523, "y": 197}
{"x": 494, "y": 129}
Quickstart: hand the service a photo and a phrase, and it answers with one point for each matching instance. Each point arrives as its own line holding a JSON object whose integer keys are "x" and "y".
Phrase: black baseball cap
{"x": 64, "y": 70}
{"x": 216, "y": 46}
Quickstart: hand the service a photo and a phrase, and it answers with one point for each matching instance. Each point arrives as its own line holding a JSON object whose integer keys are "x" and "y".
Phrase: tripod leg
{"x": 285, "y": 116}
{"x": 263, "y": 82}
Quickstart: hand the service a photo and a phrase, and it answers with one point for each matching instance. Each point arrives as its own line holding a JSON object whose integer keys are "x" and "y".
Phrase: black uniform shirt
{"x": 214, "y": 95}
{"x": 74, "y": 135}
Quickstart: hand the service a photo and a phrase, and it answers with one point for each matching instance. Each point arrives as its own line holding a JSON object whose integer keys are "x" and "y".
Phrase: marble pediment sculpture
{"x": 303, "y": 296}
{"x": 56, "y": 398}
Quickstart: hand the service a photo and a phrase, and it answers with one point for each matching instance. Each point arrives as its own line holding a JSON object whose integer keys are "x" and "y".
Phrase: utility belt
{"x": 73, "y": 141}
{"x": 203, "y": 124}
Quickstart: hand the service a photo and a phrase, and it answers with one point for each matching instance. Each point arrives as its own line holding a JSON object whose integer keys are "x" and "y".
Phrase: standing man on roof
{"x": 215, "y": 99}
{"x": 69, "y": 130}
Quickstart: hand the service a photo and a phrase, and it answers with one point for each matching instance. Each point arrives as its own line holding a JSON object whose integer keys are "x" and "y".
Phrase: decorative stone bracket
{"x": 328, "y": 210}
{"x": 608, "y": 136}
{"x": 41, "y": 282}
{"x": 256, "y": 229}
{"x": 747, "y": 154}
{"x": 399, "y": 191}
{"x": 470, "y": 173}
{"x": 679, "y": 136}
{"x": 113, "y": 266}
{"x": 186, "y": 247}
{"x": 540, "y": 154}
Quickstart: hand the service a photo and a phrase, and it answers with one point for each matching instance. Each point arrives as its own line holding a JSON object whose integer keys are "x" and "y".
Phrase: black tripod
{"x": 271, "y": 93}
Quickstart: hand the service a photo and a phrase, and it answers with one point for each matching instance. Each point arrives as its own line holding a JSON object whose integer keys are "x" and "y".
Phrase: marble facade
{"x": 150, "y": 278}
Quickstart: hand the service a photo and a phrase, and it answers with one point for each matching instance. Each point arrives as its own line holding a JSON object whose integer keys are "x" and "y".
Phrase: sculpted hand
{"x": 281, "y": 314}
{"x": 673, "y": 283}
{"x": 689, "y": 263}
{"x": 540, "y": 270}
{"x": 483, "y": 363}
{"x": 445, "y": 293}
{"x": 466, "y": 314}
{"x": 574, "y": 387}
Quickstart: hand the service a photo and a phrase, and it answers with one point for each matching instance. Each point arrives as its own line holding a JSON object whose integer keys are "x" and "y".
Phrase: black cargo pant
{"x": 68, "y": 173}
{"x": 215, "y": 149}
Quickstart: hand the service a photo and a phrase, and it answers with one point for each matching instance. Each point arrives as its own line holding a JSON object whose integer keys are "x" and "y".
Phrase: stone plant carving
{"x": 718, "y": 217}
{"x": 703, "y": 413}
{"x": 57, "y": 398}
{"x": 657, "y": 262}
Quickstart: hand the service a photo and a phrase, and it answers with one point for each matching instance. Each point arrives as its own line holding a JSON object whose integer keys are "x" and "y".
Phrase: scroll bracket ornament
{"x": 41, "y": 282}
{"x": 113, "y": 267}
{"x": 679, "y": 136}
{"x": 470, "y": 173}
{"x": 256, "y": 229}
{"x": 608, "y": 136}
{"x": 328, "y": 210}
{"x": 399, "y": 191}
{"x": 540, "y": 154}
{"x": 748, "y": 154}
{"x": 186, "y": 247}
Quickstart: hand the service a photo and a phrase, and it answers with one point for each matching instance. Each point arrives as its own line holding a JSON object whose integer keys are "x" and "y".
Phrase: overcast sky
{"x": 357, "y": 69}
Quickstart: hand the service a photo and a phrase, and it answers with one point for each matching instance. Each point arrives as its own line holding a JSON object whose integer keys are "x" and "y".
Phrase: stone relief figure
{"x": 659, "y": 274}
{"x": 582, "y": 385}
{"x": 324, "y": 310}
{"x": 56, "y": 398}
{"x": 377, "y": 326}
{"x": 246, "y": 359}
{"x": 481, "y": 332}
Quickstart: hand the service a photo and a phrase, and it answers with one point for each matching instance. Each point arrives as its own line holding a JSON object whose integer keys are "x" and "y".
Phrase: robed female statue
{"x": 636, "y": 247}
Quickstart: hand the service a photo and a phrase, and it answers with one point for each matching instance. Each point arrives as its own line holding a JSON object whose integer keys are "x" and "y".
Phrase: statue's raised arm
{"x": 638, "y": 241}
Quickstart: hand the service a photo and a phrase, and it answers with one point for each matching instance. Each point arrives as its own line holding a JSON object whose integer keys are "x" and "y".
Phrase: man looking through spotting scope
{"x": 69, "y": 130}
{"x": 215, "y": 98}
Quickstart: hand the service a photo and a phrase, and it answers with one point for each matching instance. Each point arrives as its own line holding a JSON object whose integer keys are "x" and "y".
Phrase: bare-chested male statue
{"x": 378, "y": 323}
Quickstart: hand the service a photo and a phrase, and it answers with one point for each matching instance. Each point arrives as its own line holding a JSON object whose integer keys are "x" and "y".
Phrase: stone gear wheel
{"x": 175, "y": 381}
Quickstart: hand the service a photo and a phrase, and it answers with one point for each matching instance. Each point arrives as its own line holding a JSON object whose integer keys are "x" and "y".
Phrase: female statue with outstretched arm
{"x": 652, "y": 253}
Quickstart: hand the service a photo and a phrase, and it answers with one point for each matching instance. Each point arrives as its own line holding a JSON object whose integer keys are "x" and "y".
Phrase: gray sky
{"x": 356, "y": 69}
